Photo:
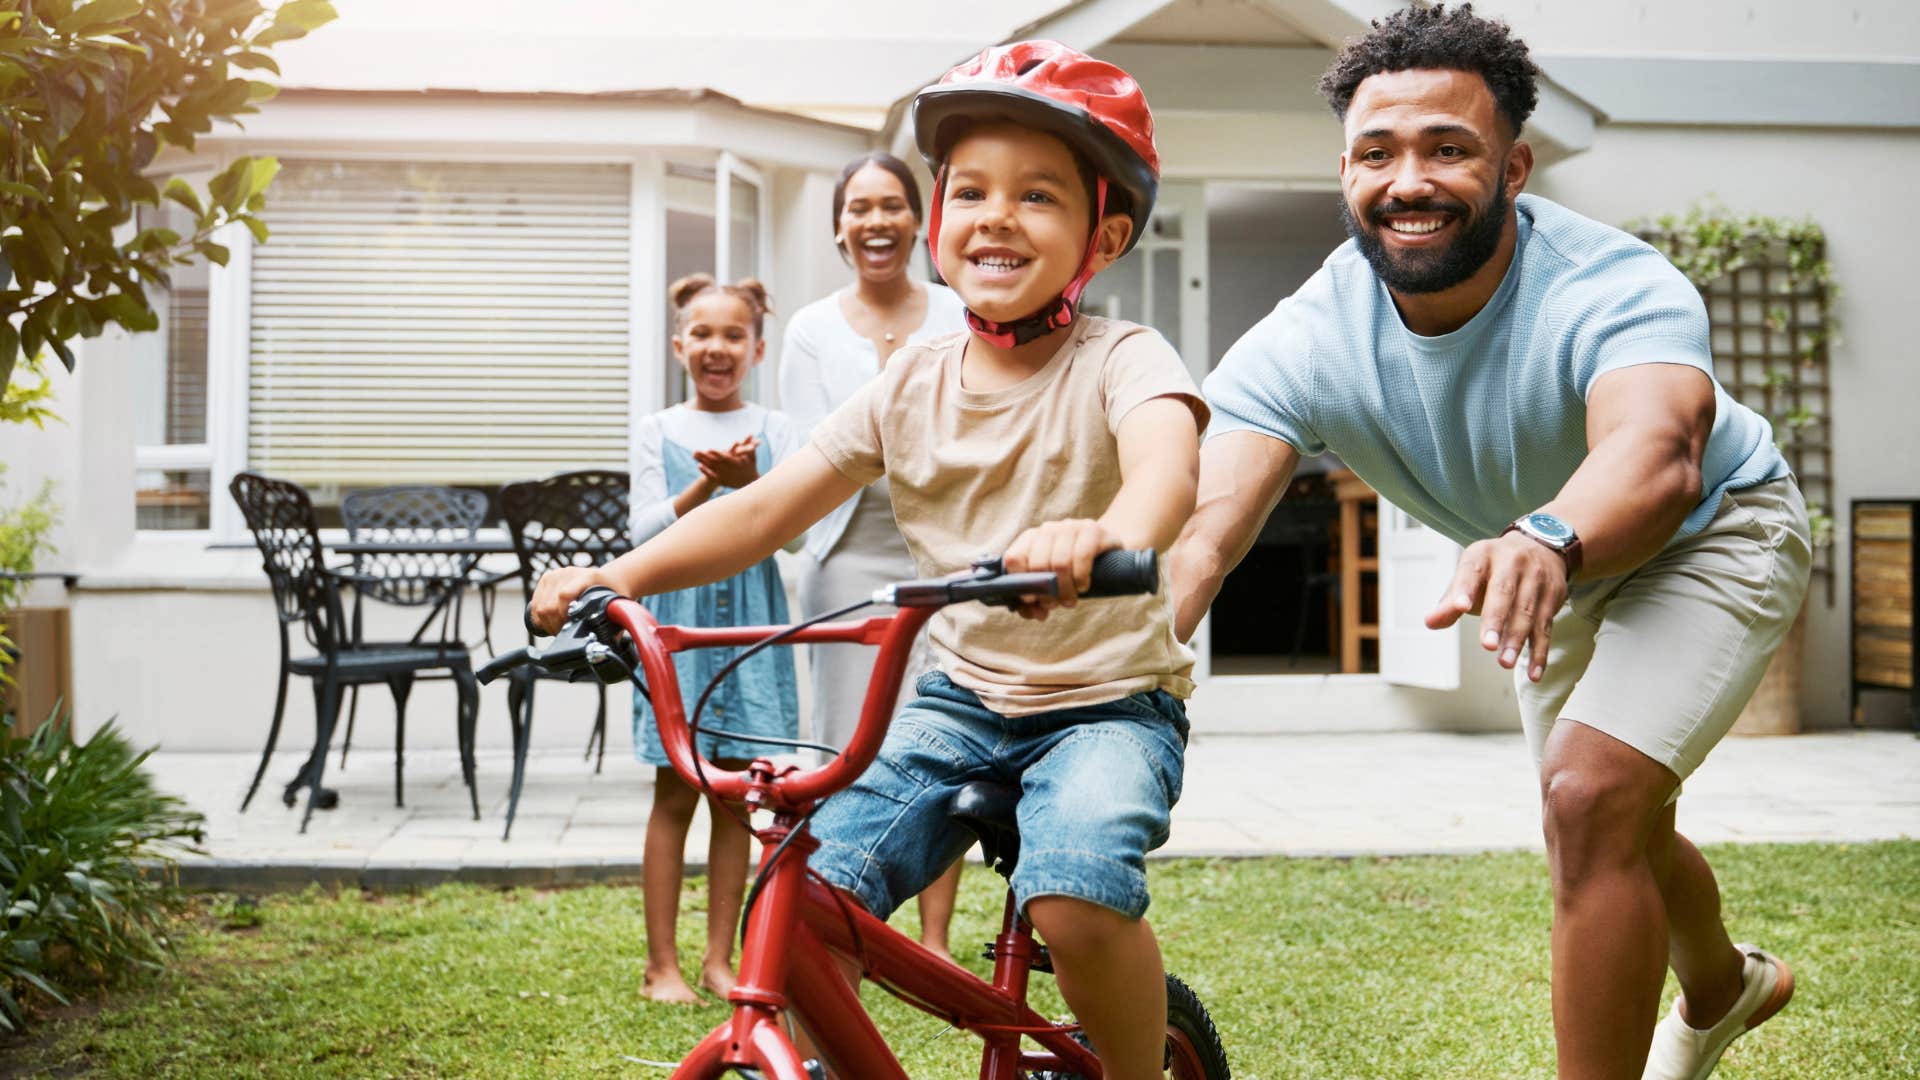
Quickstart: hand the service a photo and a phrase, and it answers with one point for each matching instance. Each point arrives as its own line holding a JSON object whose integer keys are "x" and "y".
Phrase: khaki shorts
{"x": 1664, "y": 658}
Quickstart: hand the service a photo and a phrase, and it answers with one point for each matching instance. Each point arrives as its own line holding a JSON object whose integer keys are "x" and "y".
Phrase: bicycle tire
{"x": 1194, "y": 1049}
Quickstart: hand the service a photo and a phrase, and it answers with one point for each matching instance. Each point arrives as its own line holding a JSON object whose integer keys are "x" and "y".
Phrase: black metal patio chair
{"x": 435, "y": 581}
{"x": 307, "y": 591}
{"x": 568, "y": 519}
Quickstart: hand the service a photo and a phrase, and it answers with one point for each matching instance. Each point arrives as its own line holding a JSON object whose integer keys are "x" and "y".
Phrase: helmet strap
{"x": 1054, "y": 315}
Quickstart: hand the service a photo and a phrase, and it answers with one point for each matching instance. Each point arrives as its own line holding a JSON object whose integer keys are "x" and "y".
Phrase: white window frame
{"x": 229, "y": 307}
{"x": 215, "y": 453}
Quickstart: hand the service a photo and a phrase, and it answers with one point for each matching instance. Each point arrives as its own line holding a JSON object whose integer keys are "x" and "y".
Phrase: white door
{"x": 1416, "y": 565}
{"x": 1162, "y": 283}
{"x": 741, "y": 241}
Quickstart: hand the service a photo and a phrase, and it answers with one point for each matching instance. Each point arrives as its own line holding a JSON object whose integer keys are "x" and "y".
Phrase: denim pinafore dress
{"x": 760, "y": 697}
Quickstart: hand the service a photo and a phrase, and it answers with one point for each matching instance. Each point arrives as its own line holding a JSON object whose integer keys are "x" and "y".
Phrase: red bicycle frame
{"x": 798, "y": 922}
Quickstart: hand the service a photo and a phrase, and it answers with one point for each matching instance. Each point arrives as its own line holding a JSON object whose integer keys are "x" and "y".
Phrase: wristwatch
{"x": 1551, "y": 531}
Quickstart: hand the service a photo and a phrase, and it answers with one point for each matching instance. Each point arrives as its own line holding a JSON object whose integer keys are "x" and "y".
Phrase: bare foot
{"x": 718, "y": 978}
{"x": 668, "y": 988}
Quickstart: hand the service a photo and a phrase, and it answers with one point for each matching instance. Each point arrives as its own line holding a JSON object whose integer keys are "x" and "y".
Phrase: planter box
{"x": 1774, "y": 708}
{"x": 43, "y": 676}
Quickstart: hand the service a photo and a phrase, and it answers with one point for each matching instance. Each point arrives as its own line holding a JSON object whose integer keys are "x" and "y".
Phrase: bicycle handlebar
{"x": 610, "y": 638}
{"x": 587, "y": 645}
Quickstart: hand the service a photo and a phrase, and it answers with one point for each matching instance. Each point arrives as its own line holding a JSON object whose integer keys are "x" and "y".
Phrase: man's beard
{"x": 1431, "y": 271}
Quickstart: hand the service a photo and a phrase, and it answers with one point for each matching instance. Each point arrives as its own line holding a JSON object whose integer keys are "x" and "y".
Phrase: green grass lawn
{"x": 1421, "y": 967}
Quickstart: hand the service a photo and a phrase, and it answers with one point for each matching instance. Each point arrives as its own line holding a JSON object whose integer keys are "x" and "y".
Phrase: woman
{"x": 832, "y": 347}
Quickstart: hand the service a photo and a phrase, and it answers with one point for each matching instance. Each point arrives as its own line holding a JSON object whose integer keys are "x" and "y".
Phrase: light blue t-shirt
{"x": 1469, "y": 430}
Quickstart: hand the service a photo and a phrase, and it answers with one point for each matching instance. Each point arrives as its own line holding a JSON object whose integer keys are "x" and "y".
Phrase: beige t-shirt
{"x": 972, "y": 470}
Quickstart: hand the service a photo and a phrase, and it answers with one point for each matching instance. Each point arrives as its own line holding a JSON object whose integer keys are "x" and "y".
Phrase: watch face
{"x": 1550, "y": 528}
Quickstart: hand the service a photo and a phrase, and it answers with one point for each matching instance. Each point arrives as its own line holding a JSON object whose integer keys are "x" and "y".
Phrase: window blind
{"x": 440, "y": 322}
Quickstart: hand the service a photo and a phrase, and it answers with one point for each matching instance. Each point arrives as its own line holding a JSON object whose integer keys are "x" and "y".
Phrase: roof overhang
{"x": 586, "y": 125}
{"x": 1238, "y": 79}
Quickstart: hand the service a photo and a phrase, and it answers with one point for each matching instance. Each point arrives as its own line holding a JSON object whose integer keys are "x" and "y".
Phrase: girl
{"x": 691, "y": 453}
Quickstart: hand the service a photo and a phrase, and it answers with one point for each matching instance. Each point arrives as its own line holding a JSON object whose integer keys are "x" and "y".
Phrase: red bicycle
{"x": 795, "y": 923}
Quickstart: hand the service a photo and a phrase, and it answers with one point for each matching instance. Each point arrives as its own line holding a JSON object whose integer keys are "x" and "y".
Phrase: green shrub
{"x": 86, "y": 861}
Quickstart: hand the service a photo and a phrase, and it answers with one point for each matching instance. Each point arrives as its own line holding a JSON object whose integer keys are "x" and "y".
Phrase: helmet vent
{"x": 1029, "y": 66}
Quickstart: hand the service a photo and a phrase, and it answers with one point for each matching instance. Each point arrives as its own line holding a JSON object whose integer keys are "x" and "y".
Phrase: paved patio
{"x": 1375, "y": 794}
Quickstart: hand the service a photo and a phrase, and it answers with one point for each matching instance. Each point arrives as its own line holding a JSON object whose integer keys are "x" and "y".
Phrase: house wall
{"x": 34, "y": 456}
{"x": 1849, "y": 182}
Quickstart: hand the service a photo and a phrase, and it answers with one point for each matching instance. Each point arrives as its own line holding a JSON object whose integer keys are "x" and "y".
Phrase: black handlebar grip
{"x": 1125, "y": 573}
{"x": 500, "y": 665}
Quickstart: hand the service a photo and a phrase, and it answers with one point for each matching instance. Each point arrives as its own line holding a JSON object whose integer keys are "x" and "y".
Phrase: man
{"x": 1538, "y": 387}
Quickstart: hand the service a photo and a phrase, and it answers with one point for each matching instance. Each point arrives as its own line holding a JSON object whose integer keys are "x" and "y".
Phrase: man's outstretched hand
{"x": 1517, "y": 585}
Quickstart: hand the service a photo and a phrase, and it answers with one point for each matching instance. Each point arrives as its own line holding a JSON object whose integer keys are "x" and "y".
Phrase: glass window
{"x": 172, "y": 499}
{"x": 169, "y": 376}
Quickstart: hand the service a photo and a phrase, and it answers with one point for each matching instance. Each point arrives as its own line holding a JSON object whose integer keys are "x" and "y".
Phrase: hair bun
{"x": 682, "y": 292}
{"x": 754, "y": 293}
{"x": 748, "y": 291}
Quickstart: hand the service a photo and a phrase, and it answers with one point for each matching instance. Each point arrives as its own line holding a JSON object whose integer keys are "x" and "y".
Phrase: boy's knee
{"x": 1068, "y": 924}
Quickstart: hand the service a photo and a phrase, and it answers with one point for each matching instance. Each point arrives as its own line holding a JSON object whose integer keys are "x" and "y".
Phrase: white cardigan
{"x": 823, "y": 361}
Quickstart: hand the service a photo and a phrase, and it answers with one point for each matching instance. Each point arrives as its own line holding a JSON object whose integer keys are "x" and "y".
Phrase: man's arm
{"x": 1647, "y": 429}
{"x": 1242, "y": 475}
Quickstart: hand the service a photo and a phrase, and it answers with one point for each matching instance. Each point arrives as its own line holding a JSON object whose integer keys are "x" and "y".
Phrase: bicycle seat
{"x": 987, "y": 807}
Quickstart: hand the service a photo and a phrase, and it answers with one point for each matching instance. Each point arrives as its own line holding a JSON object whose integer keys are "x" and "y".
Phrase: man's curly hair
{"x": 1436, "y": 38}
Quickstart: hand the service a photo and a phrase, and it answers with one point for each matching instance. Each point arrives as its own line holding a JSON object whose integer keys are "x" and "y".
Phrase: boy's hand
{"x": 1067, "y": 548}
{"x": 558, "y": 588}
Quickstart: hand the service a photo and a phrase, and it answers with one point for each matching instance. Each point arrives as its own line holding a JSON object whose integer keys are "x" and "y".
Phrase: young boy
{"x": 1048, "y": 436}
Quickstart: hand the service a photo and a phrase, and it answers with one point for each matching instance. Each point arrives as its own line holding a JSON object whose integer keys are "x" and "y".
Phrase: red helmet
{"x": 1093, "y": 106}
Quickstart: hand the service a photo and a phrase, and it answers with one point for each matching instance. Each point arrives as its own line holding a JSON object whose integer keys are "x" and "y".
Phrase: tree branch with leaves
{"x": 90, "y": 95}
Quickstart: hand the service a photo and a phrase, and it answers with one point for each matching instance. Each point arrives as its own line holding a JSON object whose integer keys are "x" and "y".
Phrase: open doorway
{"x": 1280, "y": 609}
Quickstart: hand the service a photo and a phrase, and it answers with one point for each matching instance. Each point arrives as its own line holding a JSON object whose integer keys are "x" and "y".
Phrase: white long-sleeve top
{"x": 697, "y": 430}
{"x": 823, "y": 361}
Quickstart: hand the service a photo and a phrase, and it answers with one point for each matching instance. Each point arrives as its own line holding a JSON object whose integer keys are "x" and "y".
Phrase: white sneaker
{"x": 1683, "y": 1052}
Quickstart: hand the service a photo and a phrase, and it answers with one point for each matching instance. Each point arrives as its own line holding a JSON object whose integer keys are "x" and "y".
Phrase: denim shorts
{"x": 1098, "y": 784}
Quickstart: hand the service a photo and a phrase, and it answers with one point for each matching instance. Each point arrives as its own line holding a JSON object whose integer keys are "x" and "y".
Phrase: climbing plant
{"x": 1770, "y": 296}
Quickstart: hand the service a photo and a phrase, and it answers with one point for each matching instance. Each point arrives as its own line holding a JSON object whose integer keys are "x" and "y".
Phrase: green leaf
{"x": 231, "y": 95}
{"x": 262, "y": 91}
{"x": 66, "y": 354}
{"x": 23, "y": 191}
{"x": 215, "y": 253}
{"x": 182, "y": 192}
{"x": 254, "y": 61}
{"x": 303, "y": 15}
{"x": 229, "y": 186}
{"x": 97, "y": 14}
{"x": 9, "y": 352}
{"x": 32, "y": 335}
{"x": 261, "y": 174}
{"x": 255, "y": 226}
